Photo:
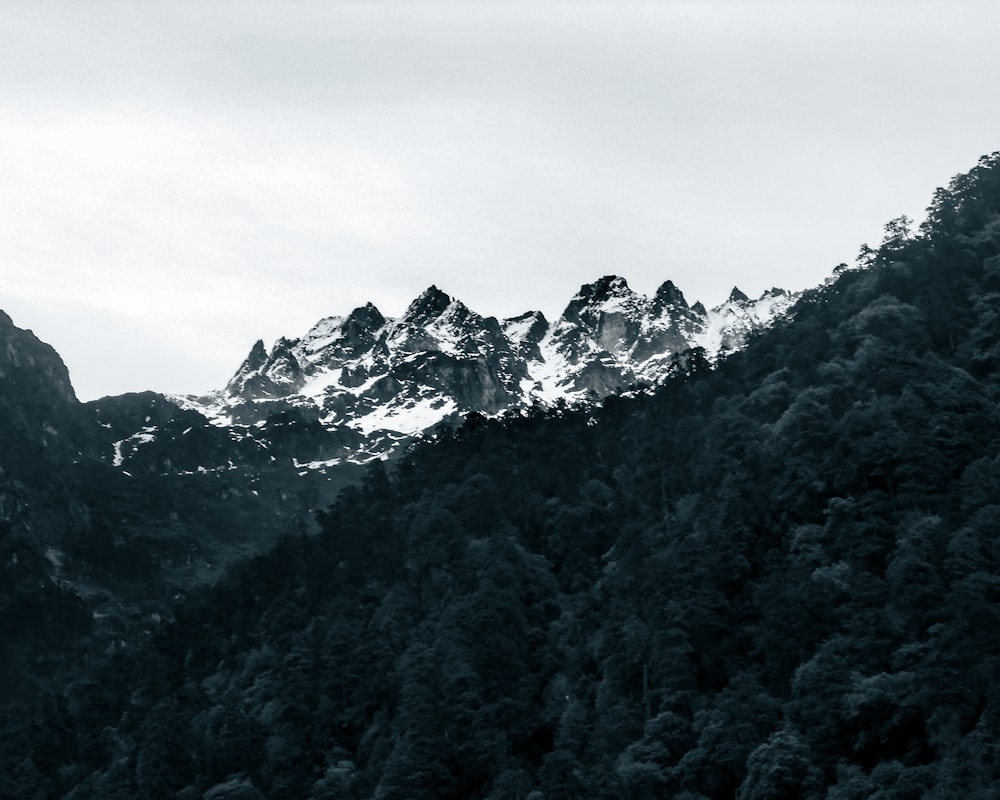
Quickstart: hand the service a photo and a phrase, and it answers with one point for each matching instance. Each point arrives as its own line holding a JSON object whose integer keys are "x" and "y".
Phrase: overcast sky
{"x": 178, "y": 179}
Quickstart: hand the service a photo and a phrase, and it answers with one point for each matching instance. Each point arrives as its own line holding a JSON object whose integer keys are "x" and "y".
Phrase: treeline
{"x": 775, "y": 578}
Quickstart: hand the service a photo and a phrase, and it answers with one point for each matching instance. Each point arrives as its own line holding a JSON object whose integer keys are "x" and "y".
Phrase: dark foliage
{"x": 777, "y": 578}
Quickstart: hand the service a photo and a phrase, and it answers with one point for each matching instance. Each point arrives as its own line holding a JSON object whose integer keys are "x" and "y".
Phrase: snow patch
{"x": 307, "y": 465}
{"x": 410, "y": 418}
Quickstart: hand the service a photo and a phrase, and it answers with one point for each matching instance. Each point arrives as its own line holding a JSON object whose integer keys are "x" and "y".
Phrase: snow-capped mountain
{"x": 163, "y": 493}
{"x": 380, "y": 381}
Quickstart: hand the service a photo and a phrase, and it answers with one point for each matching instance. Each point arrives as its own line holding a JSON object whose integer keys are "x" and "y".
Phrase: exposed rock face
{"x": 389, "y": 379}
{"x": 44, "y": 431}
{"x": 37, "y": 403}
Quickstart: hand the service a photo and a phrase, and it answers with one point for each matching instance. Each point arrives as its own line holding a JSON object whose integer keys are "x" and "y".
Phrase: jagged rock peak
{"x": 736, "y": 296}
{"x": 529, "y": 317}
{"x": 283, "y": 348}
{"x": 592, "y": 296}
{"x": 257, "y": 357}
{"x": 21, "y": 350}
{"x": 430, "y": 305}
{"x": 604, "y": 288}
{"x": 263, "y": 374}
{"x": 367, "y": 317}
{"x": 669, "y": 295}
{"x": 254, "y": 362}
{"x": 526, "y": 328}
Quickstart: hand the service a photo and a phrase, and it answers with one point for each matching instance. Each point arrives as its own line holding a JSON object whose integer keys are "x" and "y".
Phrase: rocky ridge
{"x": 377, "y": 381}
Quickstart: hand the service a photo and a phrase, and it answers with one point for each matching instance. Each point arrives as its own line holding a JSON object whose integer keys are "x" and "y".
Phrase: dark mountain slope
{"x": 43, "y": 431}
{"x": 777, "y": 578}
{"x": 110, "y": 511}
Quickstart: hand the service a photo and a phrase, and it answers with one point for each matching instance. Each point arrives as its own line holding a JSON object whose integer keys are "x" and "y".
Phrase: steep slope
{"x": 112, "y": 510}
{"x": 43, "y": 432}
{"x": 42, "y": 427}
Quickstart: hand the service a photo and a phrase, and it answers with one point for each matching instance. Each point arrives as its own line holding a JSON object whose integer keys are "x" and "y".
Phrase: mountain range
{"x": 113, "y": 509}
{"x": 377, "y": 381}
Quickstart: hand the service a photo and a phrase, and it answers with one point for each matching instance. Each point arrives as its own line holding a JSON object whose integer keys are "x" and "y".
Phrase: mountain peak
{"x": 594, "y": 295}
{"x": 603, "y": 288}
{"x": 282, "y": 345}
{"x": 669, "y": 295}
{"x": 736, "y": 296}
{"x": 257, "y": 357}
{"x": 23, "y": 353}
{"x": 367, "y": 317}
{"x": 430, "y": 305}
{"x": 527, "y": 328}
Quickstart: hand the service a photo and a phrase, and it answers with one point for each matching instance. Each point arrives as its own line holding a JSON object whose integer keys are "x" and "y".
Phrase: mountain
{"x": 777, "y": 576}
{"x": 112, "y": 509}
{"x": 42, "y": 426}
{"x": 44, "y": 433}
{"x": 379, "y": 382}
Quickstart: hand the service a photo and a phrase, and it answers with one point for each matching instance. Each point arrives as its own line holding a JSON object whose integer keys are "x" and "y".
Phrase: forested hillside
{"x": 778, "y": 577}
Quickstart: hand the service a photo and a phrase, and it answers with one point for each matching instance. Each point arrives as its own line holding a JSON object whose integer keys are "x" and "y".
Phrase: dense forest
{"x": 774, "y": 577}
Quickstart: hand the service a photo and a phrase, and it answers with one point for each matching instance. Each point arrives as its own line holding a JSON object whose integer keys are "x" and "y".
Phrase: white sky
{"x": 178, "y": 179}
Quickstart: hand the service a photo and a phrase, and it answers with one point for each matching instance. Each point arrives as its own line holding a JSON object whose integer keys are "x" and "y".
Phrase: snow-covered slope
{"x": 387, "y": 380}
